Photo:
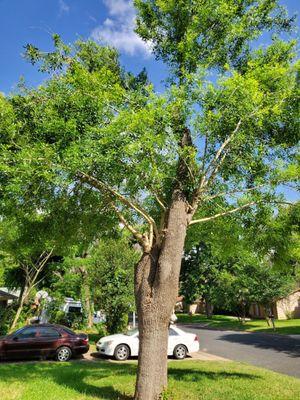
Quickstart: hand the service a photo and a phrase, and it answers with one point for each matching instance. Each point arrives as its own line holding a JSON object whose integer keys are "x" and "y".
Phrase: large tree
{"x": 224, "y": 128}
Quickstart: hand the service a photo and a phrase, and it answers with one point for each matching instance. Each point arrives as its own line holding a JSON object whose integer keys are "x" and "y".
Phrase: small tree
{"x": 113, "y": 280}
{"x": 26, "y": 244}
{"x": 32, "y": 272}
{"x": 269, "y": 285}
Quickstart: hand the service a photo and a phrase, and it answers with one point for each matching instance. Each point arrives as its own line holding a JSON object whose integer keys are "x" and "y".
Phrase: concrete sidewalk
{"x": 200, "y": 355}
{"x": 203, "y": 356}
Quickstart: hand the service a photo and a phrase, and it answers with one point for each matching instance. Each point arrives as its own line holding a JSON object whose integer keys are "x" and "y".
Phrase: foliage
{"x": 242, "y": 258}
{"x": 233, "y": 283}
{"x": 199, "y": 274}
{"x": 88, "y": 127}
{"x": 187, "y": 34}
{"x": 243, "y": 284}
{"x": 7, "y": 315}
{"x": 101, "y": 329}
{"x": 278, "y": 237}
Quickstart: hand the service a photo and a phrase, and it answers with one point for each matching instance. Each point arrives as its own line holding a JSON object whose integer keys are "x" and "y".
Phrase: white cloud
{"x": 118, "y": 29}
{"x": 63, "y": 7}
{"x": 119, "y": 7}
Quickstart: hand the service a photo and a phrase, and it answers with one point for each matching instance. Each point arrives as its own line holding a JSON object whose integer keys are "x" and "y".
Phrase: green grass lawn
{"x": 189, "y": 380}
{"x": 285, "y": 327}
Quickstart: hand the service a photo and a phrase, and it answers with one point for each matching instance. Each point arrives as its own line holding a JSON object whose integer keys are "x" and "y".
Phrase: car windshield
{"x": 132, "y": 332}
{"x": 16, "y": 332}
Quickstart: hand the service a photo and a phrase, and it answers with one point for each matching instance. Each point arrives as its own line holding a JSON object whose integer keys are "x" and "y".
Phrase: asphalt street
{"x": 275, "y": 352}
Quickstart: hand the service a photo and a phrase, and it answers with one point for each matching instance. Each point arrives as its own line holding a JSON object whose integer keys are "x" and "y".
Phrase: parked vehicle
{"x": 122, "y": 346}
{"x": 43, "y": 341}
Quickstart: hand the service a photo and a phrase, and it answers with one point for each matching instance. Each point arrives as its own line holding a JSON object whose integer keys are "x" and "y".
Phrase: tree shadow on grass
{"x": 192, "y": 375}
{"x": 73, "y": 376}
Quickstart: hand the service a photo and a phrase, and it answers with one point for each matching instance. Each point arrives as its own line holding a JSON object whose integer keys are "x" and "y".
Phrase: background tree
{"x": 242, "y": 256}
{"x": 242, "y": 284}
{"x": 92, "y": 128}
{"x": 113, "y": 280}
{"x": 199, "y": 276}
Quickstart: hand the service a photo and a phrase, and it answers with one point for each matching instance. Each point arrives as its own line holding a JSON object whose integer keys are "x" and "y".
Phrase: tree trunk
{"x": 209, "y": 308}
{"x": 244, "y": 314}
{"x": 156, "y": 290}
{"x": 88, "y": 304}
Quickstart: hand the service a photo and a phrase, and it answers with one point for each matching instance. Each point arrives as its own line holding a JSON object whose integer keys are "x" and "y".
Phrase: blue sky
{"x": 33, "y": 21}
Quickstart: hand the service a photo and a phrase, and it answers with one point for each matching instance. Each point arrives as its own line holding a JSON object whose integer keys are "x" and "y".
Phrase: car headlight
{"x": 108, "y": 343}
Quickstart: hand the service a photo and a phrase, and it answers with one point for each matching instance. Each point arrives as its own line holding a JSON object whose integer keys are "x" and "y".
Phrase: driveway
{"x": 276, "y": 352}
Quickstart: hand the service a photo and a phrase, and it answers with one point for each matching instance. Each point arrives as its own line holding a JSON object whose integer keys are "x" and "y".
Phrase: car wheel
{"x": 180, "y": 352}
{"x": 63, "y": 354}
{"x": 122, "y": 352}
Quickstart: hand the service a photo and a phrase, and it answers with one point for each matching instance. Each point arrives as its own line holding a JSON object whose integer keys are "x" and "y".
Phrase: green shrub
{"x": 101, "y": 329}
{"x": 116, "y": 321}
{"x": 7, "y": 315}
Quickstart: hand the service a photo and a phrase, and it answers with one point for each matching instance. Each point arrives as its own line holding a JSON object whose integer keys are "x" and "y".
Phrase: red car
{"x": 43, "y": 341}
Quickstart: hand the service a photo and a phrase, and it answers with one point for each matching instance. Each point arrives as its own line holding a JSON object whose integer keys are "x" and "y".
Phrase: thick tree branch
{"x": 103, "y": 187}
{"x": 110, "y": 193}
{"x": 160, "y": 202}
{"x": 142, "y": 239}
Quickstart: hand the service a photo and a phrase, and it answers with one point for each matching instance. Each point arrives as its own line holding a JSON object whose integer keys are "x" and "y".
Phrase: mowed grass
{"x": 284, "y": 327}
{"x": 191, "y": 380}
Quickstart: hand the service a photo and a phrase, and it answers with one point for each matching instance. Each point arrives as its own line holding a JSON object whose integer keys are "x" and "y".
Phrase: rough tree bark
{"x": 156, "y": 289}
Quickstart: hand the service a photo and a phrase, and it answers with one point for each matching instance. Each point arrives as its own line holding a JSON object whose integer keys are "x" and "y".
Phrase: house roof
{"x": 289, "y": 294}
{"x": 4, "y": 295}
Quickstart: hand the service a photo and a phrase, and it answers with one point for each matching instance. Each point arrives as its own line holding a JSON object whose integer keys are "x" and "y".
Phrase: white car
{"x": 122, "y": 346}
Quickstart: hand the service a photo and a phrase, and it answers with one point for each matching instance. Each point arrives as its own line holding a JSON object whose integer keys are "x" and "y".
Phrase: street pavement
{"x": 276, "y": 352}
